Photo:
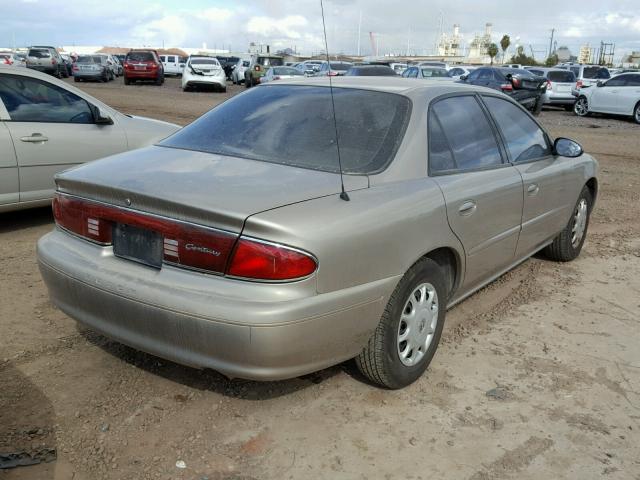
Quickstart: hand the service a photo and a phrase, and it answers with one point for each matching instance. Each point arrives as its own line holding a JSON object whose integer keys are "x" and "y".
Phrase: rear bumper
{"x": 215, "y": 81}
{"x": 44, "y": 69}
{"x": 241, "y": 329}
{"x": 136, "y": 75}
{"x": 89, "y": 75}
{"x": 563, "y": 99}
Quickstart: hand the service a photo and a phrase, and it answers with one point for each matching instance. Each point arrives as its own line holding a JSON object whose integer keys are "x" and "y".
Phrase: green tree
{"x": 552, "y": 61}
{"x": 523, "y": 59}
{"x": 504, "y": 43}
{"x": 492, "y": 51}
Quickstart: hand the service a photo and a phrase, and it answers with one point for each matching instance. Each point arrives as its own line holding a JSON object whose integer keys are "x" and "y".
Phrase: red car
{"x": 143, "y": 65}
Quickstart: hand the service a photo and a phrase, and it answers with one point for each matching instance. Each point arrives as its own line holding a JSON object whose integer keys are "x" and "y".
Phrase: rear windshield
{"x": 89, "y": 59}
{"x": 204, "y": 61}
{"x": 140, "y": 57}
{"x": 294, "y": 125}
{"x": 595, "y": 72}
{"x": 270, "y": 61}
{"x": 562, "y": 77}
{"x": 39, "y": 53}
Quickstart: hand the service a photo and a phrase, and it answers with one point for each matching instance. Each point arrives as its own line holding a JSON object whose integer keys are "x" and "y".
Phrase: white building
{"x": 479, "y": 45}
{"x": 450, "y": 45}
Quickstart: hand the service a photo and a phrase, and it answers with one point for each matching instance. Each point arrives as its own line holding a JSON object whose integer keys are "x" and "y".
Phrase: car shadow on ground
{"x": 21, "y": 219}
{"x": 210, "y": 380}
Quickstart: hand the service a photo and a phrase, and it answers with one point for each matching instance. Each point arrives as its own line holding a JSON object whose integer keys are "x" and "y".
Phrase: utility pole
{"x": 359, "y": 30}
{"x": 553, "y": 30}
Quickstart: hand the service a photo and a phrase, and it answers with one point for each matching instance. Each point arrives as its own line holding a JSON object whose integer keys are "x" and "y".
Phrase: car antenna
{"x": 343, "y": 194}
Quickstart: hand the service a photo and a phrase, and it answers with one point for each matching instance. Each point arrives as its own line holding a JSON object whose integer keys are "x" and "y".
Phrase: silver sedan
{"x": 237, "y": 245}
{"x": 47, "y": 126}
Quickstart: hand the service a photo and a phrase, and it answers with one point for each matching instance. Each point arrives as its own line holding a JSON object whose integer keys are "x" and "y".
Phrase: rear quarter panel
{"x": 379, "y": 233}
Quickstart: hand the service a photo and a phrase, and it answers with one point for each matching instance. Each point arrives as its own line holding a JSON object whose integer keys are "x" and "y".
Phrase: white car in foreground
{"x": 47, "y": 126}
{"x": 620, "y": 95}
{"x": 202, "y": 70}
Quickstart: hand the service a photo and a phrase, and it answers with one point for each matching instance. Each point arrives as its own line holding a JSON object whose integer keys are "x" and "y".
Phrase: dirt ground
{"x": 538, "y": 375}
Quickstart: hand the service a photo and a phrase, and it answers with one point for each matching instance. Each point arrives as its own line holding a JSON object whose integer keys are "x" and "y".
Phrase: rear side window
{"x": 293, "y": 125}
{"x": 410, "y": 73}
{"x": 33, "y": 100}
{"x": 536, "y": 72}
{"x": 523, "y": 138}
{"x": 561, "y": 77}
{"x": 440, "y": 156}
{"x": 140, "y": 57}
{"x": 467, "y": 132}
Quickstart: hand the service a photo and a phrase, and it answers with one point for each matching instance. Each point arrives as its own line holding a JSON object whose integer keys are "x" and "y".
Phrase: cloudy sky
{"x": 297, "y": 23}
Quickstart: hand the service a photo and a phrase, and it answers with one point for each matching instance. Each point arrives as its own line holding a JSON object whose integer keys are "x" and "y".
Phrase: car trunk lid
{"x": 207, "y": 189}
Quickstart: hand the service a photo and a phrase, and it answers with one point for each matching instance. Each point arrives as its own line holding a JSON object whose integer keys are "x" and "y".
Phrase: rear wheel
{"x": 581, "y": 107}
{"x": 568, "y": 244}
{"x": 76, "y": 79}
{"x": 58, "y": 73}
{"x": 247, "y": 82}
{"x": 537, "y": 107}
{"x": 127, "y": 81}
{"x": 159, "y": 80}
{"x": 406, "y": 339}
{"x": 636, "y": 113}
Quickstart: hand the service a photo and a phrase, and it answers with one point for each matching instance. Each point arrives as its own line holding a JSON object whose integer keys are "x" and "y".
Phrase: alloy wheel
{"x": 581, "y": 107}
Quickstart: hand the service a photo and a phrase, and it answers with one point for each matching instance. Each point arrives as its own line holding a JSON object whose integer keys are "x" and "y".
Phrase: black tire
{"x": 636, "y": 113}
{"x": 564, "y": 247}
{"x": 58, "y": 73}
{"x": 581, "y": 107}
{"x": 247, "y": 82}
{"x": 76, "y": 79}
{"x": 159, "y": 80}
{"x": 223, "y": 89}
{"x": 537, "y": 107}
{"x": 127, "y": 81}
{"x": 65, "y": 72}
{"x": 380, "y": 360}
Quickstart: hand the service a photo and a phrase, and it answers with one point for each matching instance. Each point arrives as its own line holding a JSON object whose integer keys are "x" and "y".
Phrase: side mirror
{"x": 101, "y": 118}
{"x": 600, "y": 83}
{"x": 463, "y": 77}
{"x": 567, "y": 148}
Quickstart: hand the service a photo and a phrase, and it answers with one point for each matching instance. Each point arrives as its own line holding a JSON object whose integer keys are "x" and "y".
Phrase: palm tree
{"x": 492, "y": 51}
{"x": 504, "y": 43}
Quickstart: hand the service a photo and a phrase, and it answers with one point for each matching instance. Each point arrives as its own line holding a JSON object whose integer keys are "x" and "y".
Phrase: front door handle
{"x": 467, "y": 208}
{"x": 533, "y": 189}
{"x": 34, "y": 138}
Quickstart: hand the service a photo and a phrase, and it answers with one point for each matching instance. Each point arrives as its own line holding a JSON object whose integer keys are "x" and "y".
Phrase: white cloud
{"x": 291, "y": 26}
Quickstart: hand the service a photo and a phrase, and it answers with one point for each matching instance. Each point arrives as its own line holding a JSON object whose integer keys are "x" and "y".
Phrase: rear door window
{"x": 523, "y": 138}
{"x": 293, "y": 125}
{"x": 32, "y": 100}
{"x": 171, "y": 59}
{"x": 633, "y": 80}
{"x": 619, "y": 81}
{"x": 468, "y": 133}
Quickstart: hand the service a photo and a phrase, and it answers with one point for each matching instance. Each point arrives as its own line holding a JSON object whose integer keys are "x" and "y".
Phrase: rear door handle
{"x": 467, "y": 208}
{"x": 533, "y": 189}
{"x": 34, "y": 138}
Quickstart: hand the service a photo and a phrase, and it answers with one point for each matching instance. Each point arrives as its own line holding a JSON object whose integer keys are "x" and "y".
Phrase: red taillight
{"x": 153, "y": 66}
{"x": 74, "y": 67}
{"x": 73, "y": 215}
{"x": 7, "y": 61}
{"x": 549, "y": 86}
{"x": 579, "y": 84}
{"x": 266, "y": 261}
{"x": 506, "y": 87}
{"x": 276, "y": 78}
{"x": 257, "y": 68}
{"x": 127, "y": 65}
{"x": 332, "y": 74}
{"x": 515, "y": 82}
{"x": 185, "y": 245}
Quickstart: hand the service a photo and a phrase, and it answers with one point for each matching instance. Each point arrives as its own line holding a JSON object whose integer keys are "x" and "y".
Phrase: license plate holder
{"x": 137, "y": 244}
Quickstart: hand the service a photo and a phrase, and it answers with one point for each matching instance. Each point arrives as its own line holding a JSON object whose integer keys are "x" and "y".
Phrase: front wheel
{"x": 581, "y": 107}
{"x": 406, "y": 339}
{"x": 568, "y": 244}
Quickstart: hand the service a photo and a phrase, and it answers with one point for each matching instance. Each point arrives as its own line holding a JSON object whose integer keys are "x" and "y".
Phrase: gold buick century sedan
{"x": 276, "y": 236}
